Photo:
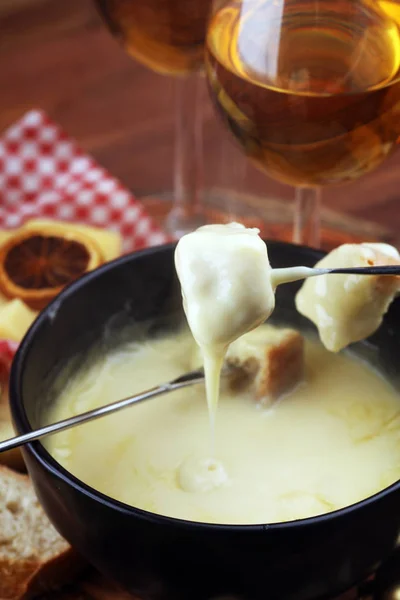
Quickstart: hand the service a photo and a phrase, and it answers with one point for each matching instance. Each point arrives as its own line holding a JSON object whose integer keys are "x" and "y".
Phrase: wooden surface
{"x": 90, "y": 587}
{"x": 57, "y": 55}
{"x": 94, "y": 587}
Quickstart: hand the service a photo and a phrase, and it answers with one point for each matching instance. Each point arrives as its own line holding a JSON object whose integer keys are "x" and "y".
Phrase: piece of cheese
{"x": 15, "y": 319}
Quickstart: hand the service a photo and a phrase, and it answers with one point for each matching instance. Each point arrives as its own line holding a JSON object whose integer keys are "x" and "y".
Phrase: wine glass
{"x": 168, "y": 36}
{"x": 309, "y": 88}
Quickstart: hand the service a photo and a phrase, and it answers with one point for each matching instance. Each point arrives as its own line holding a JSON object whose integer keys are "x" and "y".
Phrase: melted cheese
{"x": 226, "y": 290}
{"x": 334, "y": 441}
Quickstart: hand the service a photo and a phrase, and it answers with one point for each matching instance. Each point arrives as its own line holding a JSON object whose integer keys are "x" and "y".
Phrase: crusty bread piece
{"x": 349, "y": 308}
{"x": 270, "y": 361}
{"x": 33, "y": 556}
{"x": 13, "y": 458}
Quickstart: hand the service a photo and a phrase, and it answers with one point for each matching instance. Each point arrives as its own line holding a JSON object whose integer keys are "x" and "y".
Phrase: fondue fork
{"x": 278, "y": 276}
{"x": 289, "y": 274}
{"x": 185, "y": 380}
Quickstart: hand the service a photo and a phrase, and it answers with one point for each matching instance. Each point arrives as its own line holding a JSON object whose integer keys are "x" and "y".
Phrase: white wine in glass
{"x": 168, "y": 37}
{"x": 310, "y": 89}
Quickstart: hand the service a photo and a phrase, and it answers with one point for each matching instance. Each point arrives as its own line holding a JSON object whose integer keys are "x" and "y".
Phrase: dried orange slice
{"x": 36, "y": 265}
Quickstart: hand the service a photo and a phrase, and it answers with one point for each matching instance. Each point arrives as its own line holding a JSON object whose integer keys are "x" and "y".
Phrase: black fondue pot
{"x": 161, "y": 558}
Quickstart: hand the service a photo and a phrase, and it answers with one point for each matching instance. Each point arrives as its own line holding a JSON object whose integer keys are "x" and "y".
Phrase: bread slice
{"x": 33, "y": 557}
{"x": 270, "y": 361}
{"x": 13, "y": 458}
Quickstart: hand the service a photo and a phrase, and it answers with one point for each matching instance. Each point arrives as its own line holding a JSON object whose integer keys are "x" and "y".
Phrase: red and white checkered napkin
{"x": 44, "y": 174}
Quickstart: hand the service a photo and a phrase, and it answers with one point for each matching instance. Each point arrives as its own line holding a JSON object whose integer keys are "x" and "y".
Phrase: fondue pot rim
{"x": 49, "y": 463}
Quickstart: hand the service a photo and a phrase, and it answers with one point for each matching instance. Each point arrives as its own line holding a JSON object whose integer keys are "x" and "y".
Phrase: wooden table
{"x": 94, "y": 587}
{"x": 57, "y": 55}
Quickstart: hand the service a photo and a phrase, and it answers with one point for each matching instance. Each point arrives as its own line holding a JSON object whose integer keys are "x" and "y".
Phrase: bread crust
{"x": 22, "y": 579}
{"x": 283, "y": 367}
{"x": 15, "y": 576}
{"x": 53, "y": 574}
{"x": 271, "y": 367}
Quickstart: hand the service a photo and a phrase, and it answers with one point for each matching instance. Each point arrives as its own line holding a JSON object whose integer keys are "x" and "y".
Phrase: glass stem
{"x": 187, "y": 213}
{"x": 307, "y": 218}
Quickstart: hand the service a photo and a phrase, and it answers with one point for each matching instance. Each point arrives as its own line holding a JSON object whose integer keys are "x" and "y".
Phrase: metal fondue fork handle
{"x": 289, "y": 274}
{"x": 185, "y": 380}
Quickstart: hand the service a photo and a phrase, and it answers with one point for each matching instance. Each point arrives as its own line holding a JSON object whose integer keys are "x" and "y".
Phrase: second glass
{"x": 168, "y": 36}
{"x": 310, "y": 89}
